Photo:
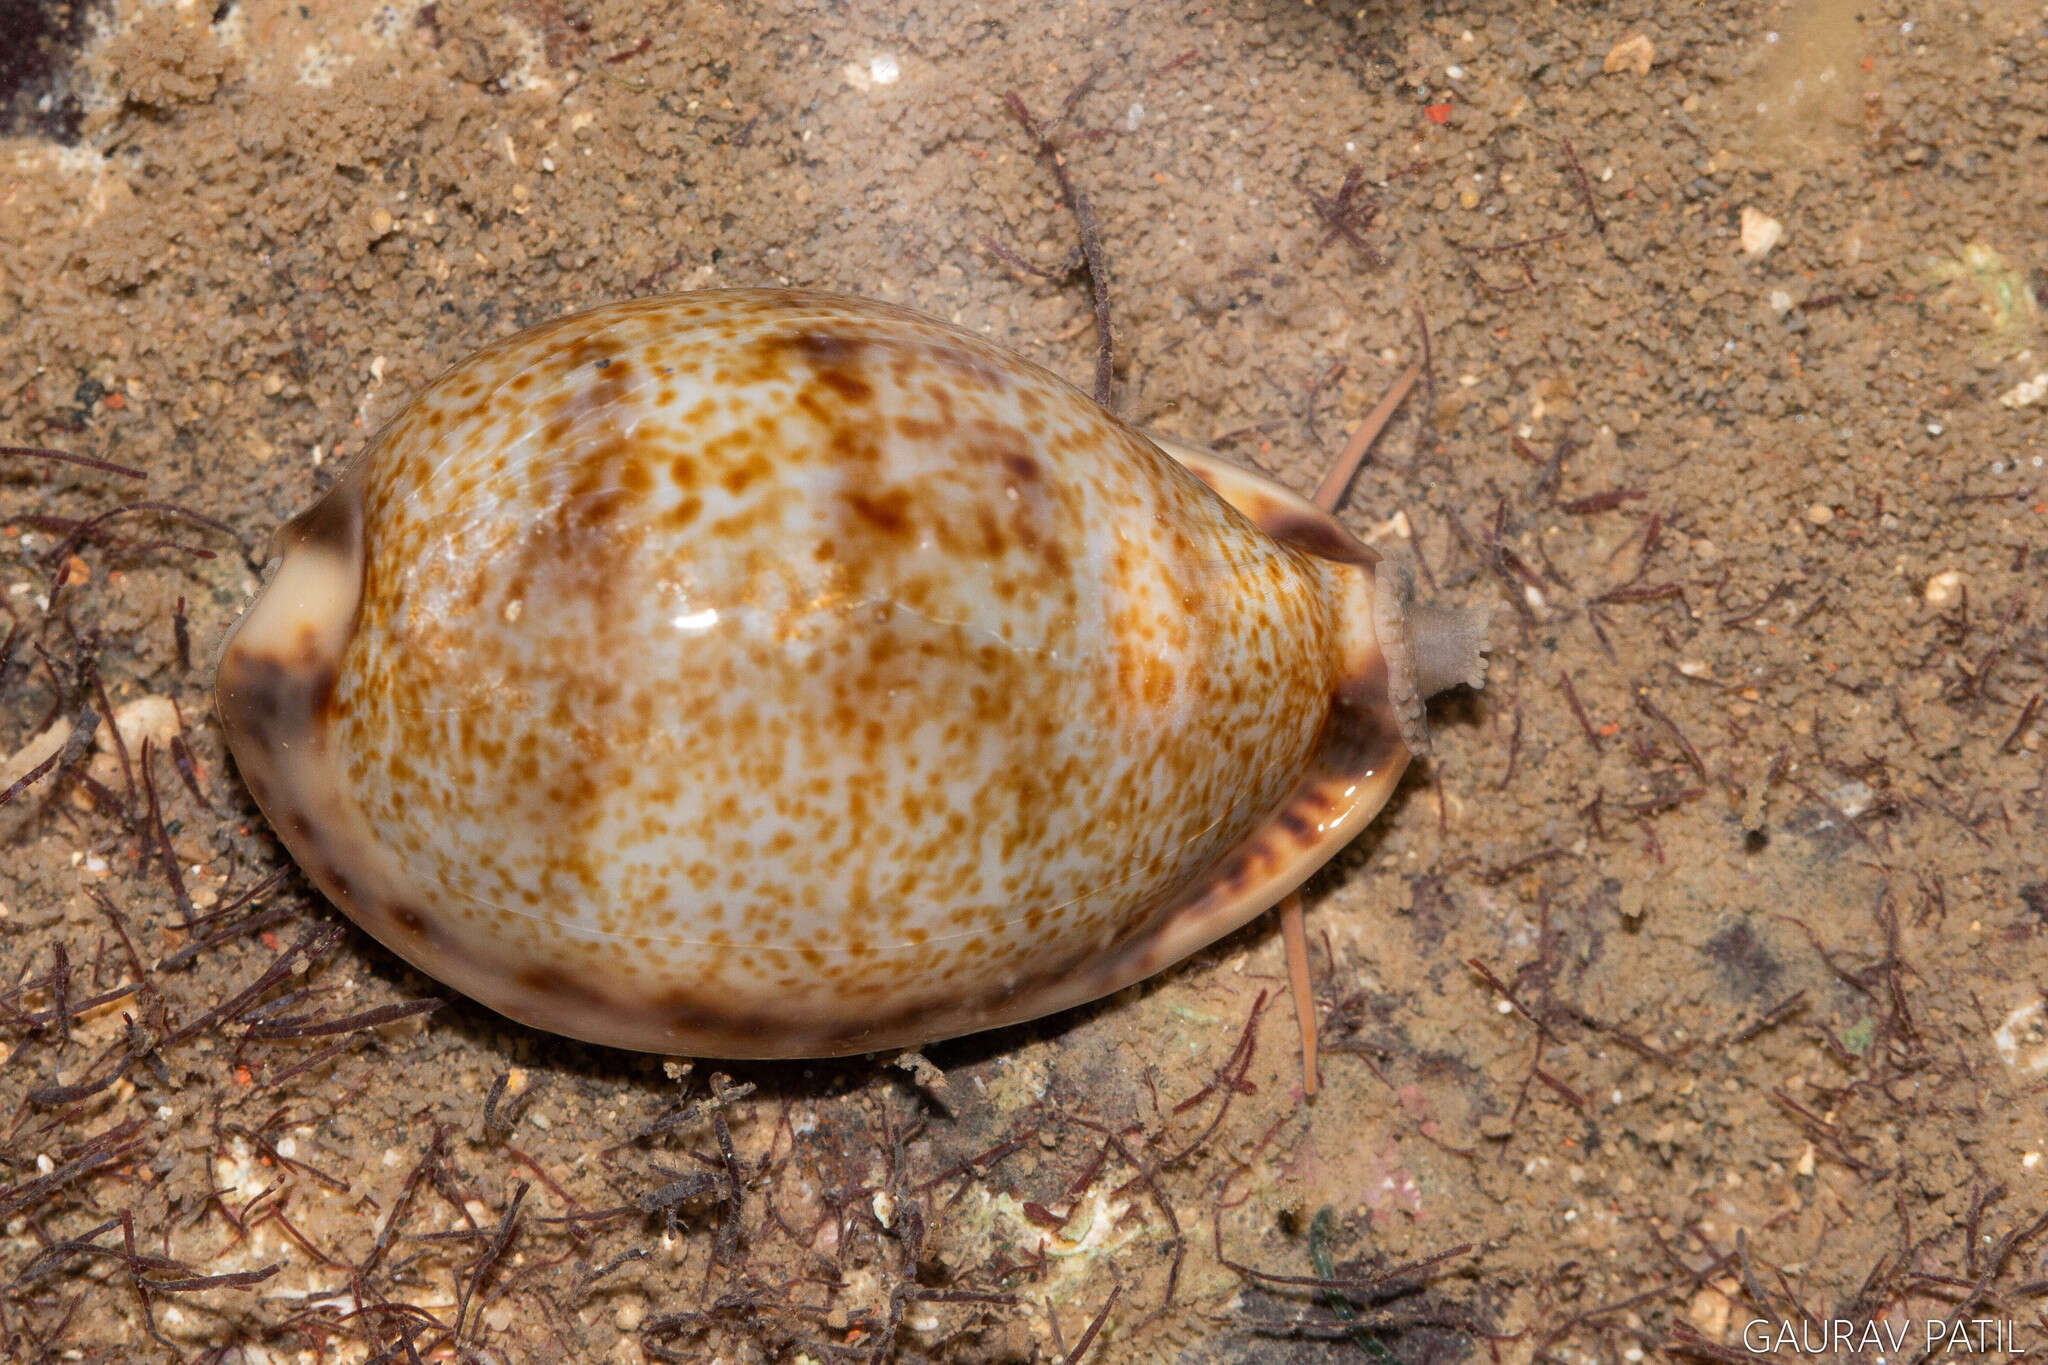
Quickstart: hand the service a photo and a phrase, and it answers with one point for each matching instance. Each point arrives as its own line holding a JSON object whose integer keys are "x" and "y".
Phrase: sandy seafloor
{"x": 1716, "y": 1004}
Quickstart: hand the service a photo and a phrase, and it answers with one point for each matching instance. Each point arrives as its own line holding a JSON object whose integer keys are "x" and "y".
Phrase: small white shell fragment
{"x": 1852, "y": 798}
{"x": 1760, "y": 232}
{"x": 20, "y": 764}
{"x": 2022, "y": 1040}
{"x": 2027, "y": 392}
{"x": 1709, "y": 1311}
{"x": 1634, "y": 53}
{"x": 882, "y": 69}
{"x": 1396, "y": 527}
{"x": 29, "y": 756}
{"x": 1944, "y": 589}
{"x": 152, "y": 718}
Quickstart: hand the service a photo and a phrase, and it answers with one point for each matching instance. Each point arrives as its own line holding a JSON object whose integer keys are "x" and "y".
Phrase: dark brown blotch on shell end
{"x": 1318, "y": 536}
{"x": 563, "y": 990}
{"x": 1363, "y": 734}
{"x": 333, "y": 524}
{"x": 275, "y": 701}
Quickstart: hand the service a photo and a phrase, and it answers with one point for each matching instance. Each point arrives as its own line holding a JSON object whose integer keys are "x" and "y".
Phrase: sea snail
{"x": 760, "y": 673}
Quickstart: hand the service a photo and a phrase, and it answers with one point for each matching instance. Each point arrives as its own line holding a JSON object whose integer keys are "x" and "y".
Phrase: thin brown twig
{"x": 1091, "y": 238}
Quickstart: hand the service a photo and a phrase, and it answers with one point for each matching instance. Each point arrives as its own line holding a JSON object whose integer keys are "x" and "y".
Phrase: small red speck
{"x": 1612, "y": 727}
{"x": 1437, "y": 113}
{"x": 1870, "y": 63}
{"x": 242, "y": 1076}
{"x": 117, "y": 401}
{"x": 269, "y": 940}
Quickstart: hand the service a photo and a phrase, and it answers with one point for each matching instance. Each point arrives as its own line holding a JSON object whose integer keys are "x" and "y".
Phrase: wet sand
{"x": 1695, "y": 982}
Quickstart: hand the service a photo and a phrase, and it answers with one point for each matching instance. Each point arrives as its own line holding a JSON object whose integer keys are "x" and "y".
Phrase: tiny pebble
{"x": 1709, "y": 1312}
{"x": 1820, "y": 514}
{"x": 1944, "y": 589}
{"x": 380, "y": 221}
{"x": 2027, "y": 392}
{"x": 1760, "y": 232}
{"x": 1633, "y": 53}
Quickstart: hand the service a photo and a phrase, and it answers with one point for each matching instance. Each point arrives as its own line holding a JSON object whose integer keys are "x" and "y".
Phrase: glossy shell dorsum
{"x": 766, "y": 673}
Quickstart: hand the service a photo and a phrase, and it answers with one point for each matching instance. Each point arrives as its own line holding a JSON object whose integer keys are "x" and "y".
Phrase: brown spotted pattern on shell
{"x": 767, "y": 673}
